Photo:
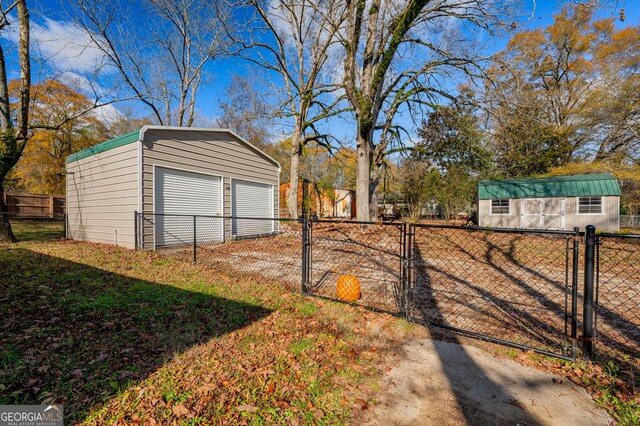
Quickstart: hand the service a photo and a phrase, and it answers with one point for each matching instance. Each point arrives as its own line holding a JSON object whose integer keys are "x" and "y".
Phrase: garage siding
{"x": 102, "y": 194}
{"x": 212, "y": 152}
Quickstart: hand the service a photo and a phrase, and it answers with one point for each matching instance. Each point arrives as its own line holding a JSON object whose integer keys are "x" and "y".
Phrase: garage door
{"x": 252, "y": 199}
{"x": 178, "y": 196}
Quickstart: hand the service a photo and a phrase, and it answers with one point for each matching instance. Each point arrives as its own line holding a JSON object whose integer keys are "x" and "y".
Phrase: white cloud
{"x": 62, "y": 45}
{"x": 107, "y": 113}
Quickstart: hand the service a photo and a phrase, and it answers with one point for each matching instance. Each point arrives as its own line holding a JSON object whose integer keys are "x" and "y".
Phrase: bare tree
{"x": 161, "y": 59}
{"x": 297, "y": 40}
{"x": 402, "y": 55}
{"x": 244, "y": 109}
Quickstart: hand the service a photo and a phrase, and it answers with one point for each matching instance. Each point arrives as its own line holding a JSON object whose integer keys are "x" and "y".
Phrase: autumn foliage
{"x": 41, "y": 168}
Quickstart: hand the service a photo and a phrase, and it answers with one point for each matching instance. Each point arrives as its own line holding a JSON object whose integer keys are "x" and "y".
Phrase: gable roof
{"x": 555, "y": 186}
{"x": 138, "y": 135}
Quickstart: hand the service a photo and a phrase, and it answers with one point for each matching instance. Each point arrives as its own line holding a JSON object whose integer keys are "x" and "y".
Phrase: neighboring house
{"x": 169, "y": 171}
{"x": 339, "y": 203}
{"x": 561, "y": 202}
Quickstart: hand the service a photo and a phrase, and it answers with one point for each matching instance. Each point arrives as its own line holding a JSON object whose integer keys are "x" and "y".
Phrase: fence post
{"x": 135, "y": 230}
{"x": 194, "y": 239}
{"x": 409, "y": 271}
{"x": 304, "y": 255}
{"x": 574, "y": 290}
{"x": 587, "y": 314}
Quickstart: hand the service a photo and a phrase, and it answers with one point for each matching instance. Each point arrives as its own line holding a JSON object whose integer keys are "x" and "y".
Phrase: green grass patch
{"x": 118, "y": 335}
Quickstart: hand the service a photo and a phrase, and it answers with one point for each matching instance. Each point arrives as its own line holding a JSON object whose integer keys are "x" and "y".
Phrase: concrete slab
{"x": 444, "y": 383}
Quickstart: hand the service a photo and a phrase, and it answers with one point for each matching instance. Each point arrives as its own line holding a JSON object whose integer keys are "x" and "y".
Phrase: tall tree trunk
{"x": 296, "y": 152}
{"x": 363, "y": 177}
{"x": 13, "y": 140}
{"x": 6, "y": 233}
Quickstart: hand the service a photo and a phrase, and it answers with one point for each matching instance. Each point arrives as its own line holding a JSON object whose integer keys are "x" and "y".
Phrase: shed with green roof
{"x": 556, "y": 202}
{"x": 168, "y": 173}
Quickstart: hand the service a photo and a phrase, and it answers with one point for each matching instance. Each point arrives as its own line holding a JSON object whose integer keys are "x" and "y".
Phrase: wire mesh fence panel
{"x": 357, "y": 262}
{"x": 503, "y": 286}
{"x": 629, "y": 221}
{"x": 617, "y": 330}
{"x": 38, "y": 228}
{"x": 264, "y": 248}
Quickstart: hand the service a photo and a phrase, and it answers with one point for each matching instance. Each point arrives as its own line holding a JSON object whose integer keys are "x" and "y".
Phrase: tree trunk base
{"x": 6, "y": 233}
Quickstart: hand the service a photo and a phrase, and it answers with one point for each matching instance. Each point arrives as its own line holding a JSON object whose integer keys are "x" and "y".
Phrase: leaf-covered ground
{"x": 125, "y": 337}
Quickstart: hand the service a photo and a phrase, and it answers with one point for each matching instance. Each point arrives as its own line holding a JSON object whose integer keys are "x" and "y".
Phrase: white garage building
{"x": 168, "y": 174}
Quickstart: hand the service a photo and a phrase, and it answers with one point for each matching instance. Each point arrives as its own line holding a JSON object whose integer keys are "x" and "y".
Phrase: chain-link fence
{"x": 512, "y": 287}
{"x": 265, "y": 248}
{"x": 617, "y": 297}
{"x": 37, "y": 228}
{"x": 629, "y": 221}
{"x": 522, "y": 288}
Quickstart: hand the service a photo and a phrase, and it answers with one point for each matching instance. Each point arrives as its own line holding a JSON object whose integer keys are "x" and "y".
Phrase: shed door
{"x": 252, "y": 200}
{"x": 178, "y": 196}
{"x": 542, "y": 213}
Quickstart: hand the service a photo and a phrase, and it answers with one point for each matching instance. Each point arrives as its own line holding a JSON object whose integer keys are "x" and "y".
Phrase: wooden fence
{"x": 20, "y": 204}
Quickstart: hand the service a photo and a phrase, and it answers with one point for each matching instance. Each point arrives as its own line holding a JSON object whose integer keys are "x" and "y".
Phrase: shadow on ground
{"x": 78, "y": 335}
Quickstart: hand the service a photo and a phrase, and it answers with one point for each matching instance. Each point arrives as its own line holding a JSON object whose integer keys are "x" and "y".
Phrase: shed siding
{"x": 608, "y": 221}
{"x": 102, "y": 194}
{"x": 499, "y": 221}
{"x": 213, "y": 153}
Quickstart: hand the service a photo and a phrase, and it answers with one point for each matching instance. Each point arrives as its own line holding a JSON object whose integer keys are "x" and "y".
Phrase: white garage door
{"x": 178, "y": 196}
{"x": 252, "y": 199}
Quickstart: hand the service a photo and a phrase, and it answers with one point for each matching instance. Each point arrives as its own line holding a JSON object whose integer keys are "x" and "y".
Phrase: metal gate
{"x": 514, "y": 287}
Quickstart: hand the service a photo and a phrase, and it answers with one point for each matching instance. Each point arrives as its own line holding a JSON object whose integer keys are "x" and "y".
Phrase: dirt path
{"x": 444, "y": 383}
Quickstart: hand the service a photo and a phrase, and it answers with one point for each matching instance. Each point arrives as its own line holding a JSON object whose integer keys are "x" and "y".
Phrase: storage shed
{"x": 560, "y": 202}
{"x": 171, "y": 171}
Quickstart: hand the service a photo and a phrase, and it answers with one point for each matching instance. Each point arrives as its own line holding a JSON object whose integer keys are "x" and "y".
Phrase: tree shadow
{"x": 78, "y": 335}
{"x": 476, "y": 384}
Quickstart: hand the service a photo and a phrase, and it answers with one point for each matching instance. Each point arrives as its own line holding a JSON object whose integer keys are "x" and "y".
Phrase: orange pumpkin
{"x": 348, "y": 288}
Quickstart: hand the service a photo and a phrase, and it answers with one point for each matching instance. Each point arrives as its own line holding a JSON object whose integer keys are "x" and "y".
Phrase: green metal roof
{"x": 105, "y": 146}
{"x": 556, "y": 186}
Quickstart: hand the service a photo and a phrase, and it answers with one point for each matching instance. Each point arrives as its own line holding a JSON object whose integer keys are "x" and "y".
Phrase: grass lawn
{"x": 119, "y": 336}
{"x": 37, "y": 229}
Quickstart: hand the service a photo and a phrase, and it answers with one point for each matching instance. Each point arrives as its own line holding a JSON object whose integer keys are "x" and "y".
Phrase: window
{"x": 590, "y": 205}
{"x": 500, "y": 206}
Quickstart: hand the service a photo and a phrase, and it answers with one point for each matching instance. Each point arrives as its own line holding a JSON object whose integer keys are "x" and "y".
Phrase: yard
{"x": 119, "y": 336}
{"x": 511, "y": 286}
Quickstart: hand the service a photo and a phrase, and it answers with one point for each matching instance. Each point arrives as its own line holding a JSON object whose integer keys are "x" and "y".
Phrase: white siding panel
{"x": 102, "y": 195}
{"x": 179, "y": 194}
{"x": 252, "y": 199}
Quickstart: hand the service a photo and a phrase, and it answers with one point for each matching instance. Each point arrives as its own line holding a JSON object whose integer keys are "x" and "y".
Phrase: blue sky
{"x": 50, "y": 13}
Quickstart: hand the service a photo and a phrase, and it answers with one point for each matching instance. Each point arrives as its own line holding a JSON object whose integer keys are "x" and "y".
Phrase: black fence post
{"x": 194, "y": 239}
{"x": 135, "y": 229}
{"x": 65, "y": 225}
{"x": 409, "y": 271}
{"x": 404, "y": 272}
{"x": 587, "y": 314}
{"x": 304, "y": 255}
{"x": 574, "y": 290}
